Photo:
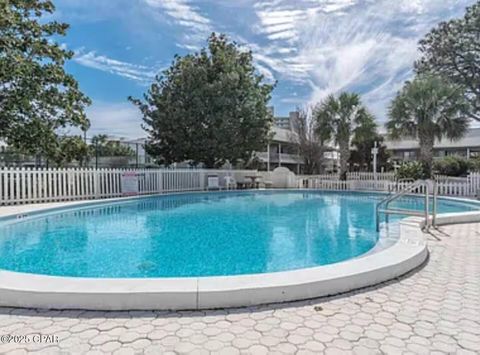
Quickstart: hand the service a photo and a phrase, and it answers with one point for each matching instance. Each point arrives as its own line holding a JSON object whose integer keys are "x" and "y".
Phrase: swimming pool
{"x": 199, "y": 234}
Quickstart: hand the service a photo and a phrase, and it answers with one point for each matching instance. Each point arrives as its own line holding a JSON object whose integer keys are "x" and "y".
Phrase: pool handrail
{"x": 418, "y": 183}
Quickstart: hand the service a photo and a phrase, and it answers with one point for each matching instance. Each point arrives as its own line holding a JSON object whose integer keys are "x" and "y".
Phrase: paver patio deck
{"x": 435, "y": 309}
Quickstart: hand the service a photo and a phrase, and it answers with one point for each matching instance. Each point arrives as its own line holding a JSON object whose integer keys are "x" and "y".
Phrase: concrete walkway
{"x": 435, "y": 309}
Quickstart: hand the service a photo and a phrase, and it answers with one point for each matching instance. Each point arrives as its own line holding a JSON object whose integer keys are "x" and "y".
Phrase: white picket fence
{"x": 23, "y": 185}
{"x": 366, "y": 176}
{"x": 370, "y": 176}
{"x": 354, "y": 185}
{"x": 470, "y": 187}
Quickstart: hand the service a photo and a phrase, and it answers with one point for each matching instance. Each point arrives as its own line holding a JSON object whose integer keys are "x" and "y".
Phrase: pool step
{"x": 402, "y": 211}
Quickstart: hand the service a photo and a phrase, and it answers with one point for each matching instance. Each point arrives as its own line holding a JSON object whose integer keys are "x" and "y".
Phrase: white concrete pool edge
{"x": 38, "y": 291}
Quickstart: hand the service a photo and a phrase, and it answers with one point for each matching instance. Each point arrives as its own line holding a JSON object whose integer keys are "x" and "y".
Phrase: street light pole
{"x": 375, "y": 153}
{"x": 268, "y": 157}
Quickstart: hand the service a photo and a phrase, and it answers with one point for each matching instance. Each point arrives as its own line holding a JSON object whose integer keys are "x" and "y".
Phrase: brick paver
{"x": 434, "y": 310}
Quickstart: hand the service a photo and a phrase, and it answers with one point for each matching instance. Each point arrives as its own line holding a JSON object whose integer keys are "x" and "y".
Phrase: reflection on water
{"x": 198, "y": 234}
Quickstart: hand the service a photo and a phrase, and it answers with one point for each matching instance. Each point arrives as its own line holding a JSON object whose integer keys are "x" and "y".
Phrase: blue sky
{"x": 311, "y": 47}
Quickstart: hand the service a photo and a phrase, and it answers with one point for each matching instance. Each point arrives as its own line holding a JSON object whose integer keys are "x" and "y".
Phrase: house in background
{"x": 283, "y": 151}
{"x": 408, "y": 149}
{"x": 286, "y": 122}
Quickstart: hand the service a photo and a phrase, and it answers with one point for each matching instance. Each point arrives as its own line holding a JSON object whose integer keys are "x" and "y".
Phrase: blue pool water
{"x": 198, "y": 234}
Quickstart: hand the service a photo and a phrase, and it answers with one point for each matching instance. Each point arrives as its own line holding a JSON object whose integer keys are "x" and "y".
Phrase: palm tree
{"x": 338, "y": 118}
{"x": 364, "y": 139}
{"x": 428, "y": 109}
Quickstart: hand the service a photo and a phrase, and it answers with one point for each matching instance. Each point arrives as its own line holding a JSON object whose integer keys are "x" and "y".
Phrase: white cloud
{"x": 186, "y": 15}
{"x": 267, "y": 73}
{"x": 279, "y": 24}
{"x": 316, "y": 46}
{"x": 333, "y": 45}
{"x": 139, "y": 73}
{"x": 182, "y": 11}
{"x": 355, "y": 54}
{"x": 119, "y": 119}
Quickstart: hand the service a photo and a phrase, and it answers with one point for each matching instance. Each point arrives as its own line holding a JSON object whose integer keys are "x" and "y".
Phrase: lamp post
{"x": 268, "y": 157}
{"x": 375, "y": 153}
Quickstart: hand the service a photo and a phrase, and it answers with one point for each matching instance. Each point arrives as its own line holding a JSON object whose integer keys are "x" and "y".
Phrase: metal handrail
{"x": 434, "y": 207}
{"x": 403, "y": 192}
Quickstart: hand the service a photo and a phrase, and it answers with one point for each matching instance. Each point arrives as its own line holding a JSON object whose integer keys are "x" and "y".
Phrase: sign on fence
{"x": 129, "y": 183}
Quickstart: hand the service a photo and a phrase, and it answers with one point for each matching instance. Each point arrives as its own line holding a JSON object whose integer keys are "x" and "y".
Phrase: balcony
{"x": 276, "y": 158}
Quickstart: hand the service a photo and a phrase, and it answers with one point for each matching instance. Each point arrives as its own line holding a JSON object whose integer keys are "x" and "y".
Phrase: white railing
{"x": 315, "y": 183}
{"x": 23, "y": 185}
{"x": 474, "y": 183}
{"x": 370, "y": 176}
{"x": 439, "y": 177}
{"x": 371, "y": 185}
{"x": 321, "y": 177}
{"x": 470, "y": 188}
{"x": 355, "y": 176}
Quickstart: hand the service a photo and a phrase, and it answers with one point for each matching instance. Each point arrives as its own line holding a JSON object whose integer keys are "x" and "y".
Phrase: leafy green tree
{"x": 452, "y": 50}
{"x": 103, "y": 147}
{"x": 10, "y": 156}
{"x": 475, "y": 163}
{"x": 37, "y": 96}
{"x": 453, "y": 166}
{"x": 411, "y": 170}
{"x": 209, "y": 107}
{"x": 428, "y": 109}
{"x": 70, "y": 148}
{"x": 339, "y": 117}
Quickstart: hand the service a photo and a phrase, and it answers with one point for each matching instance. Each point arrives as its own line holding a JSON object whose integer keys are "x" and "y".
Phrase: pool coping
{"x": 191, "y": 293}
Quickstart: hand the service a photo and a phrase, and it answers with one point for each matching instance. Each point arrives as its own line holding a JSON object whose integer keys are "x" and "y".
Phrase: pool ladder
{"x": 426, "y": 184}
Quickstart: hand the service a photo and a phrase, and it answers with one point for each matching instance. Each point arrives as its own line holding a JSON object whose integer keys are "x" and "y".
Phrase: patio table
{"x": 254, "y": 180}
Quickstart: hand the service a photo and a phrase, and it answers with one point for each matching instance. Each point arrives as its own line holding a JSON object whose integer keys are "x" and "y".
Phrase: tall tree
{"x": 452, "y": 50}
{"x": 364, "y": 138}
{"x": 70, "y": 149}
{"x": 428, "y": 109}
{"x": 339, "y": 117}
{"x": 311, "y": 142}
{"x": 37, "y": 96}
{"x": 209, "y": 107}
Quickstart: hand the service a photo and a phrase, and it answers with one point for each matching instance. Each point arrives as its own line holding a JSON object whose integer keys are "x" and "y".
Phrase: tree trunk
{"x": 344, "y": 157}
{"x": 426, "y": 153}
{"x": 309, "y": 166}
{"x": 321, "y": 159}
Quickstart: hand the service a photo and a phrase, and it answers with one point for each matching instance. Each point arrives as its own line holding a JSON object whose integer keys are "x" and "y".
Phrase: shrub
{"x": 475, "y": 164}
{"x": 453, "y": 166}
{"x": 412, "y": 170}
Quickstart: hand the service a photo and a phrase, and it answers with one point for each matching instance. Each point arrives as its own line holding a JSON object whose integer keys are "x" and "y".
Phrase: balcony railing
{"x": 282, "y": 158}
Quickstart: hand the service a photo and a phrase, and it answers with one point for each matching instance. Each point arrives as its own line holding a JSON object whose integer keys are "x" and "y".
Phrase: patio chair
{"x": 265, "y": 181}
{"x": 230, "y": 182}
{"x": 243, "y": 182}
{"x": 267, "y": 184}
